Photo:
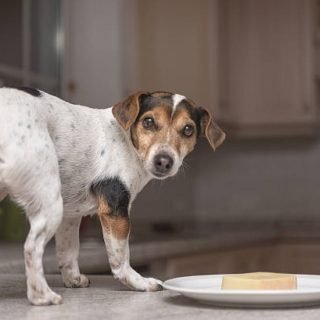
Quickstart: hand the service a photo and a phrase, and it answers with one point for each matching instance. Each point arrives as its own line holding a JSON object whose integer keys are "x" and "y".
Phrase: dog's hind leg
{"x": 44, "y": 222}
{"x": 67, "y": 247}
{"x": 43, "y": 225}
{"x": 38, "y": 191}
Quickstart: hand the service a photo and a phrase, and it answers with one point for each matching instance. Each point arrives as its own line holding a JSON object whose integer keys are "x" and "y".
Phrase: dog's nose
{"x": 163, "y": 163}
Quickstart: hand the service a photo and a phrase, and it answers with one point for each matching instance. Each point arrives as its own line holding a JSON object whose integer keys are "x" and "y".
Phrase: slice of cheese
{"x": 259, "y": 281}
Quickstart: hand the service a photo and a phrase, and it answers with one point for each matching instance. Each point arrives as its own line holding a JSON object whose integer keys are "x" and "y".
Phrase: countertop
{"x": 108, "y": 299}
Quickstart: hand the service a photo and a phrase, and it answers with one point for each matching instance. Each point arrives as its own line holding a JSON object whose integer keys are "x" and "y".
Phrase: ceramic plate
{"x": 206, "y": 288}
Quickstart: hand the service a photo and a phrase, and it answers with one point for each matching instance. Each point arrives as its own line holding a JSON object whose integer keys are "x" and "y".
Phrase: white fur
{"x": 119, "y": 259}
{"x": 50, "y": 153}
{"x": 67, "y": 247}
{"x": 177, "y": 98}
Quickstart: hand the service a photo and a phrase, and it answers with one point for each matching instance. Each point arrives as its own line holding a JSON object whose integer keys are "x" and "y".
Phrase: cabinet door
{"x": 93, "y": 73}
{"x": 174, "y": 47}
{"x": 267, "y": 72}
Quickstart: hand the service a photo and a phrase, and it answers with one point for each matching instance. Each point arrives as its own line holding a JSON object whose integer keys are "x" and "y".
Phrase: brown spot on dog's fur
{"x": 180, "y": 120}
{"x": 118, "y": 226}
{"x": 143, "y": 139}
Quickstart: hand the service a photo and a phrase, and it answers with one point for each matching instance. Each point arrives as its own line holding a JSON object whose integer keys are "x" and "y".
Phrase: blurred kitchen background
{"x": 255, "y": 203}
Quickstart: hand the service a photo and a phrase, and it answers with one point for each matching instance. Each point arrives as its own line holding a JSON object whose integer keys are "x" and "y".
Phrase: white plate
{"x": 207, "y": 289}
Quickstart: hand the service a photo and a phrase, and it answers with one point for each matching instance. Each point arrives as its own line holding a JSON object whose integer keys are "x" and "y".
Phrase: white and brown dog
{"x": 61, "y": 162}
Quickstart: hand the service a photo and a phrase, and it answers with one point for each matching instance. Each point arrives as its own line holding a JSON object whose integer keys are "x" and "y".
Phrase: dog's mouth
{"x": 159, "y": 175}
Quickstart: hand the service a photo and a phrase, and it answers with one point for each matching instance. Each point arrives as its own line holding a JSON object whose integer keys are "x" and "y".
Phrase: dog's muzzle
{"x": 162, "y": 164}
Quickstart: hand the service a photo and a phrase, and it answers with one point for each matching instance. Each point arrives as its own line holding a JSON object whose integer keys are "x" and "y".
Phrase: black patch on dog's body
{"x": 34, "y": 92}
{"x": 115, "y": 193}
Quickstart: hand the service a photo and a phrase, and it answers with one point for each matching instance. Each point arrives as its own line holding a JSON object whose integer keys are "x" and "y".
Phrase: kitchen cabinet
{"x": 285, "y": 256}
{"x": 267, "y": 72}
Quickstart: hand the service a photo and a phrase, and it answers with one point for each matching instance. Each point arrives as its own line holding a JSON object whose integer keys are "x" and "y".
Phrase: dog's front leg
{"x": 116, "y": 228}
{"x": 67, "y": 247}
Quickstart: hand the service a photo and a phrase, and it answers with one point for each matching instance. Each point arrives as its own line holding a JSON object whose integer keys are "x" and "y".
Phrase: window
{"x": 31, "y": 40}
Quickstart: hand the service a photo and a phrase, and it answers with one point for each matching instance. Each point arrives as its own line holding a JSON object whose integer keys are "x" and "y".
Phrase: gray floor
{"x": 107, "y": 299}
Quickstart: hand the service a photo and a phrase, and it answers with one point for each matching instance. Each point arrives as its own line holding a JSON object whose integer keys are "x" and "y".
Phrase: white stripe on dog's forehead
{"x": 177, "y": 98}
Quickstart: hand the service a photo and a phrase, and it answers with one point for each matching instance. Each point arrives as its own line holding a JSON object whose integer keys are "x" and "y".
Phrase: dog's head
{"x": 164, "y": 128}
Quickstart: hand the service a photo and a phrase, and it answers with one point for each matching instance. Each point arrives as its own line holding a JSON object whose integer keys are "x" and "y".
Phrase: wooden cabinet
{"x": 267, "y": 82}
{"x": 288, "y": 256}
{"x": 173, "y": 47}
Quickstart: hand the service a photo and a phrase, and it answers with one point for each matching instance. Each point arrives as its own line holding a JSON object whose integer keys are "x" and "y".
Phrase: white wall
{"x": 260, "y": 181}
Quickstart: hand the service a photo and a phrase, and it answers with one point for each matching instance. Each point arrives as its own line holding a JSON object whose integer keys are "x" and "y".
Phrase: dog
{"x": 60, "y": 162}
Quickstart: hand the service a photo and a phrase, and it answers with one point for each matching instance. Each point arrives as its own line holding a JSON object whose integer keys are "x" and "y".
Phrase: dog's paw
{"x": 152, "y": 284}
{"x": 77, "y": 282}
{"x": 135, "y": 281}
{"x": 40, "y": 299}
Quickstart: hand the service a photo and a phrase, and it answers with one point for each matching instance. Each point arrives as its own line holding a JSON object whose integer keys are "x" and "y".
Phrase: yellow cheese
{"x": 259, "y": 281}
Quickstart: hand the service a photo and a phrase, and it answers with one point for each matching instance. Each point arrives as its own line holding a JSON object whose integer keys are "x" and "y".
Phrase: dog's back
{"x": 26, "y": 148}
{"x": 38, "y": 131}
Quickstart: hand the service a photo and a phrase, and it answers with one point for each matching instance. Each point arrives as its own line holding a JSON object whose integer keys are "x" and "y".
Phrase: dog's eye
{"x": 148, "y": 123}
{"x": 188, "y": 130}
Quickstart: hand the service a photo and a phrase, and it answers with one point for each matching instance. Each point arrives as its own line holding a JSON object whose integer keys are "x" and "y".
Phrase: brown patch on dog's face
{"x": 143, "y": 138}
{"x": 183, "y": 144}
{"x": 116, "y": 225}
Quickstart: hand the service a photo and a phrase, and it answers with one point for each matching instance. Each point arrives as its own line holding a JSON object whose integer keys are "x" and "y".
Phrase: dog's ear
{"x": 127, "y": 111}
{"x": 210, "y": 129}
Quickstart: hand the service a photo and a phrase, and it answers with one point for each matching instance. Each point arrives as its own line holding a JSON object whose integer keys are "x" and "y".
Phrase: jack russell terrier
{"x": 60, "y": 162}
